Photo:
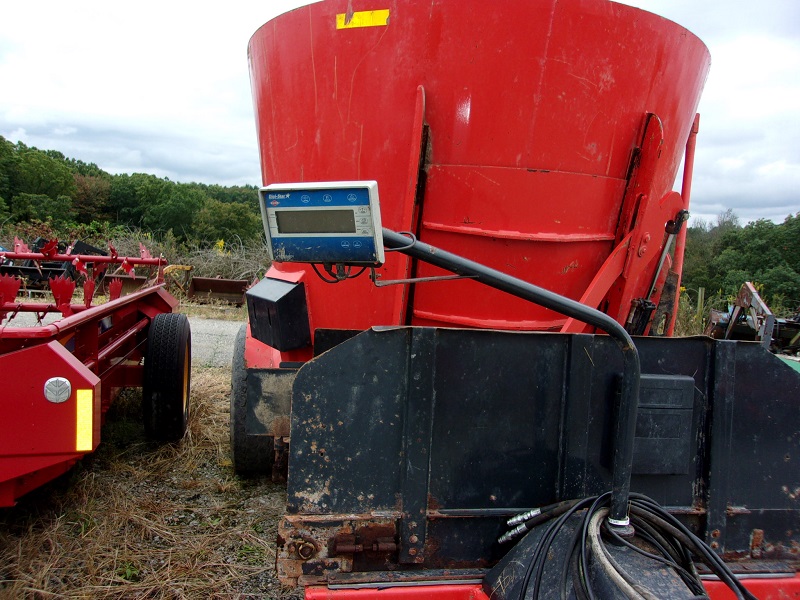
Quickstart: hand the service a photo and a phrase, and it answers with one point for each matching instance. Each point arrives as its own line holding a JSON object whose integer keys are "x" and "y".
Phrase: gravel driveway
{"x": 212, "y": 341}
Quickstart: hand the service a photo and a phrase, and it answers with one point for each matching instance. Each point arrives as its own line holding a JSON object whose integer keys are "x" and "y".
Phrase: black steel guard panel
{"x": 446, "y": 432}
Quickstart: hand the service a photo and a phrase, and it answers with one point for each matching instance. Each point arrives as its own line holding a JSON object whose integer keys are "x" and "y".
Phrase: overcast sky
{"x": 163, "y": 88}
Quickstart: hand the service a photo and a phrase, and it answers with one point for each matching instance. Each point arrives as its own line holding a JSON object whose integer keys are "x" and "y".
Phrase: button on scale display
{"x": 327, "y": 222}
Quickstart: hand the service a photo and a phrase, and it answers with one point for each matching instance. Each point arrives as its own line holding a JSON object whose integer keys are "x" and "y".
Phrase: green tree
{"x": 721, "y": 257}
{"x": 77, "y": 166}
{"x": 781, "y": 280}
{"x": 761, "y": 252}
{"x": 40, "y": 207}
{"x": 123, "y": 202}
{"x": 38, "y": 173}
{"x": 174, "y": 211}
{"x": 242, "y": 194}
{"x": 226, "y": 221}
{"x": 698, "y": 255}
{"x": 727, "y": 220}
{"x": 92, "y": 197}
{"x": 788, "y": 241}
{"x": 8, "y": 169}
{"x": 131, "y": 196}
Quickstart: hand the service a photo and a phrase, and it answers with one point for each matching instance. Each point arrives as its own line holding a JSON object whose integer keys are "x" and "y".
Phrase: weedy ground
{"x": 213, "y": 310}
{"x": 140, "y": 521}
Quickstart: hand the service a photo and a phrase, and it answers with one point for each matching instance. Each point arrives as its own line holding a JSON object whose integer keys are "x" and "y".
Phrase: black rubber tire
{"x": 167, "y": 377}
{"x": 250, "y": 454}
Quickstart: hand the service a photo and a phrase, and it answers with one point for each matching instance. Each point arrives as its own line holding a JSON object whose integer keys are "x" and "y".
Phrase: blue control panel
{"x": 335, "y": 222}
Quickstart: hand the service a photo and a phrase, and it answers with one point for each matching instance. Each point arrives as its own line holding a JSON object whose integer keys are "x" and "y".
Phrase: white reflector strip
{"x": 84, "y": 424}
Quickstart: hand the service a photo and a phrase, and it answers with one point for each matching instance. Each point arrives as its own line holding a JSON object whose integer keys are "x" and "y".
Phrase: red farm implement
{"x": 63, "y": 362}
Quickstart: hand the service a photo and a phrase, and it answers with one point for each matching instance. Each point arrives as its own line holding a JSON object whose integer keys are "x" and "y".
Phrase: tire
{"x": 250, "y": 454}
{"x": 166, "y": 380}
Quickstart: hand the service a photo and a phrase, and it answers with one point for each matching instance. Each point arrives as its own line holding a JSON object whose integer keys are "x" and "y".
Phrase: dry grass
{"x": 214, "y": 310}
{"x": 139, "y": 521}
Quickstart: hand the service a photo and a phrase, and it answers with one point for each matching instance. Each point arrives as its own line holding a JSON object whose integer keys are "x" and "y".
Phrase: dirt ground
{"x": 140, "y": 521}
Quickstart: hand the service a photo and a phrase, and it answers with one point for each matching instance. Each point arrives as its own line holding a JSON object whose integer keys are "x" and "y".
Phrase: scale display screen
{"x": 304, "y": 221}
{"x": 328, "y": 222}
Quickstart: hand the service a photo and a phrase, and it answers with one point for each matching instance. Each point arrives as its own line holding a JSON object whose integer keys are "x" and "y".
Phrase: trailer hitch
{"x": 629, "y": 398}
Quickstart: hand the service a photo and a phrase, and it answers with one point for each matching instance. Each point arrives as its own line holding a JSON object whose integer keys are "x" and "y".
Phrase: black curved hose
{"x": 673, "y": 540}
{"x": 626, "y": 423}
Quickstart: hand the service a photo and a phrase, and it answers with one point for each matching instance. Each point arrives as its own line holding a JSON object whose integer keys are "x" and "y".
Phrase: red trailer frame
{"x": 61, "y": 377}
{"x": 765, "y": 589}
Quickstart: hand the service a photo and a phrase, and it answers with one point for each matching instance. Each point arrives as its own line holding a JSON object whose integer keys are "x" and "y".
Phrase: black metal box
{"x": 279, "y": 314}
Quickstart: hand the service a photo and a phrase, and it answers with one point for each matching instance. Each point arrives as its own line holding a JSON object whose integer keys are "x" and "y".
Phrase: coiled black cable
{"x": 671, "y": 544}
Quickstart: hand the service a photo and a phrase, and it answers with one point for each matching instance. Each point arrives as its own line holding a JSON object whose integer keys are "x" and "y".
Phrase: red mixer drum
{"x": 526, "y": 135}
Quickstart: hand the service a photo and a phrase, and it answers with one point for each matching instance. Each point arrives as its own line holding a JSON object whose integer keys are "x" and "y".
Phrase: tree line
{"x": 45, "y": 186}
{"x": 721, "y": 256}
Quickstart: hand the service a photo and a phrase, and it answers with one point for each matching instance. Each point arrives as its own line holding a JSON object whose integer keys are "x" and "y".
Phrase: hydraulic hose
{"x": 587, "y": 553}
{"x": 629, "y": 401}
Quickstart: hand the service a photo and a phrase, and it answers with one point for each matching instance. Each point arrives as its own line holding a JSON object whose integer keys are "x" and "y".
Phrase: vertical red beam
{"x": 686, "y": 192}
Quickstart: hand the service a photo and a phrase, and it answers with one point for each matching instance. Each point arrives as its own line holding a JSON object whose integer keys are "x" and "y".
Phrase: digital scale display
{"x": 304, "y": 221}
{"x": 329, "y": 222}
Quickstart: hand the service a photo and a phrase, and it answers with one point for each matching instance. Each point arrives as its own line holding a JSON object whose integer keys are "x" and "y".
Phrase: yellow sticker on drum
{"x": 364, "y": 18}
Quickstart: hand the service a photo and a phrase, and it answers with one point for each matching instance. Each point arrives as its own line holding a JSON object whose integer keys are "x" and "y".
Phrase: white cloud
{"x": 731, "y": 163}
{"x": 123, "y": 85}
{"x": 18, "y": 134}
{"x": 749, "y": 106}
{"x": 780, "y": 168}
